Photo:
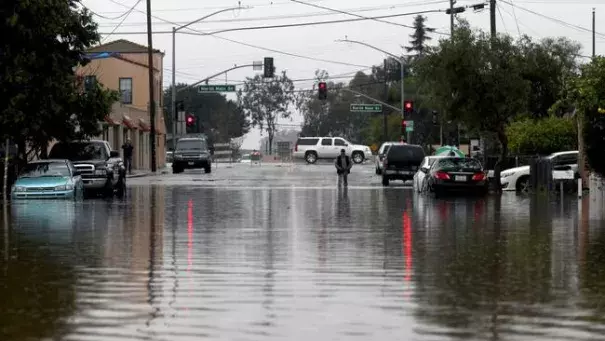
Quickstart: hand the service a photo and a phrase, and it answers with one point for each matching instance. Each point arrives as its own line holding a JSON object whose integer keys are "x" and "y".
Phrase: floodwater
{"x": 190, "y": 263}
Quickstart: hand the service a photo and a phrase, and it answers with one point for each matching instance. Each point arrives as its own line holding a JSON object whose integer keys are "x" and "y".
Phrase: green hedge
{"x": 542, "y": 136}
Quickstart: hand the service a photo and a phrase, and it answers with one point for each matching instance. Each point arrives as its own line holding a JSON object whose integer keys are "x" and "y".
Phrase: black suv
{"x": 191, "y": 152}
{"x": 401, "y": 162}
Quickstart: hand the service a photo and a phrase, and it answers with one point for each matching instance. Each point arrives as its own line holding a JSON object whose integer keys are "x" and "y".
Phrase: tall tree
{"x": 478, "y": 81}
{"x": 265, "y": 101}
{"x": 41, "y": 99}
{"x": 420, "y": 37}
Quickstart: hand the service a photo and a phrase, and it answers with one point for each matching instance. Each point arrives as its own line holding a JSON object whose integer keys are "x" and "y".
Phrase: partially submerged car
{"x": 48, "y": 179}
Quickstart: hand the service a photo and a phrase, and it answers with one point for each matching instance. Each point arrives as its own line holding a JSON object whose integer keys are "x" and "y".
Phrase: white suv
{"x": 313, "y": 148}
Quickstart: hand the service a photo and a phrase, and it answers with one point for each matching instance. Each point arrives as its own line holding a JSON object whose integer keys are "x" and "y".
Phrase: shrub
{"x": 542, "y": 136}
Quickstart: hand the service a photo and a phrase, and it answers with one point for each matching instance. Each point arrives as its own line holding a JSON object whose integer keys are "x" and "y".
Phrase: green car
{"x": 48, "y": 179}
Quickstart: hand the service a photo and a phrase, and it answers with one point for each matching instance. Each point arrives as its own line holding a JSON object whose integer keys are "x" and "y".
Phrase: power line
{"x": 123, "y": 19}
{"x": 261, "y": 47}
{"x": 356, "y": 15}
{"x": 102, "y": 16}
{"x": 311, "y": 23}
{"x": 558, "y": 21}
{"x": 298, "y": 16}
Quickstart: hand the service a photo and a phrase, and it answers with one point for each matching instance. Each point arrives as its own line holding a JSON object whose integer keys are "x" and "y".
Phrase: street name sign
{"x": 409, "y": 126}
{"x": 216, "y": 88}
{"x": 366, "y": 107}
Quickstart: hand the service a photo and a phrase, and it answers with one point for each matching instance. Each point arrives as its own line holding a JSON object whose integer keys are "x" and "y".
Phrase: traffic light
{"x": 435, "y": 117}
{"x": 190, "y": 120}
{"x": 322, "y": 90}
{"x": 180, "y": 107}
{"x": 403, "y": 127}
{"x": 268, "y": 68}
{"x": 408, "y": 107}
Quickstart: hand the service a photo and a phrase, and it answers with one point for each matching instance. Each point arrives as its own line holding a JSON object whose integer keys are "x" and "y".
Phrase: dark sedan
{"x": 457, "y": 174}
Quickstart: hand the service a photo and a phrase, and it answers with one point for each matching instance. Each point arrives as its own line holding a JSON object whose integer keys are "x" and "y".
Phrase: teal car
{"x": 48, "y": 179}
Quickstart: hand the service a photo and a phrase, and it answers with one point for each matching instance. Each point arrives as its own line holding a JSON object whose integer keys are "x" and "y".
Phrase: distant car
{"x": 48, "y": 179}
{"x": 420, "y": 178}
{"x": 457, "y": 174}
{"x": 401, "y": 162}
{"x": 312, "y": 149}
{"x": 517, "y": 179}
{"x": 192, "y": 152}
{"x": 246, "y": 158}
{"x": 380, "y": 156}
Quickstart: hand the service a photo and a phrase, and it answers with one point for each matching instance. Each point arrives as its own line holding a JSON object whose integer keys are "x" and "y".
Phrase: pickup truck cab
{"x": 101, "y": 168}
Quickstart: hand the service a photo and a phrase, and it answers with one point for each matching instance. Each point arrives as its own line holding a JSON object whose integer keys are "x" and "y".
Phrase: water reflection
{"x": 189, "y": 263}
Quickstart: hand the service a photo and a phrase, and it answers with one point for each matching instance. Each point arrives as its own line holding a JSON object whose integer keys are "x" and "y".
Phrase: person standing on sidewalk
{"x": 128, "y": 148}
{"x": 343, "y": 167}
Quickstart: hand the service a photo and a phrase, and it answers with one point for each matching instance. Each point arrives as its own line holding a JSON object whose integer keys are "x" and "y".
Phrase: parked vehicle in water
{"x": 457, "y": 174}
{"x": 101, "y": 168}
{"x": 48, "y": 179}
{"x": 382, "y": 151}
{"x": 421, "y": 176}
{"x": 517, "y": 179}
{"x": 312, "y": 149}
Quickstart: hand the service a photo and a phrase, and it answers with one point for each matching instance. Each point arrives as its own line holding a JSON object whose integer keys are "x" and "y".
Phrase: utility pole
{"x": 492, "y": 17}
{"x": 452, "y": 14}
{"x": 384, "y": 109}
{"x": 152, "y": 135}
{"x": 594, "y": 30}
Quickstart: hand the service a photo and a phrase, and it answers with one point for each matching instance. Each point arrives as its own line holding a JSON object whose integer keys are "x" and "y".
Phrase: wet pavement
{"x": 279, "y": 253}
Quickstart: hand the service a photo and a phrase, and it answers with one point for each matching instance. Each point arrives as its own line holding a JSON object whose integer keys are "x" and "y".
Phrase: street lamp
{"x": 174, "y": 30}
{"x": 399, "y": 59}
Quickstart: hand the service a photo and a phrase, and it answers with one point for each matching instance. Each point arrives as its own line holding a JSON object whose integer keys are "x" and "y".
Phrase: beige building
{"x": 123, "y": 66}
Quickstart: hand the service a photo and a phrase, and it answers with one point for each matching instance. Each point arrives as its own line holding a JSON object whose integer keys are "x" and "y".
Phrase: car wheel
{"x": 523, "y": 185}
{"x": 109, "y": 190}
{"x": 311, "y": 157}
{"x": 176, "y": 170}
{"x": 207, "y": 169}
{"x": 385, "y": 181}
{"x": 357, "y": 157}
{"x": 378, "y": 171}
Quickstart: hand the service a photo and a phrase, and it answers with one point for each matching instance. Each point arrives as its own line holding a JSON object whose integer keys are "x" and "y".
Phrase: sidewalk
{"x": 143, "y": 173}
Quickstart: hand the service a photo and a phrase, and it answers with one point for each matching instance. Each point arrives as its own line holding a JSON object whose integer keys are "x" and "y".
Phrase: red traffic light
{"x": 403, "y": 123}
{"x": 408, "y": 106}
{"x": 189, "y": 119}
{"x": 322, "y": 85}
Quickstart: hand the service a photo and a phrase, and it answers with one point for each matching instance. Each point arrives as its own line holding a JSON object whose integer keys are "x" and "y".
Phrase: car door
{"x": 570, "y": 159}
{"x": 76, "y": 178}
{"x": 341, "y": 144}
{"x": 421, "y": 175}
{"x": 326, "y": 148}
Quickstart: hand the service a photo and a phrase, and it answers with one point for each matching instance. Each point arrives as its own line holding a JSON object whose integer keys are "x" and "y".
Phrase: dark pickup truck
{"x": 101, "y": 168}
{"x": 401, "y": 162}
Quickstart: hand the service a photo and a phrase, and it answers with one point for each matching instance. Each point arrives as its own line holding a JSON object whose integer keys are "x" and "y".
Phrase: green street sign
{"x": 216, "y": 88}
{"x": 409, "y": 126}
{"x": 366, "y": 108}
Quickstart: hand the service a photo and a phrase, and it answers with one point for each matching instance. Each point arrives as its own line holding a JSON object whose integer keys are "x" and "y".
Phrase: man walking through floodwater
{"x": 127, "y": 147}
{"x": 343, "y": 167}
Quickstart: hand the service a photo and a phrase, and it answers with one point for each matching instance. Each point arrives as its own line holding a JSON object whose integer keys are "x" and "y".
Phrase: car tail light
{"x": 479, "y": 176}
{"x": 296, "y": 147}
{"x": 385, "y": 162}
{"x": 441, "y": 176}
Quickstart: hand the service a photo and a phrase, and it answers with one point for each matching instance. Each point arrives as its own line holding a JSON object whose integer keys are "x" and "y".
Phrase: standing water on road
{"x": 191, "y": 263}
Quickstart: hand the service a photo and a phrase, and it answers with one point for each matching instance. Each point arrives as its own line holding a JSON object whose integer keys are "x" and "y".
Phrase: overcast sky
{"x": 302, "y": 50}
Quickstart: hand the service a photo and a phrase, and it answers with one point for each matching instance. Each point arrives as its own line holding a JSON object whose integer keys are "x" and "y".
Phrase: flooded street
{"x": 279, "y": 253}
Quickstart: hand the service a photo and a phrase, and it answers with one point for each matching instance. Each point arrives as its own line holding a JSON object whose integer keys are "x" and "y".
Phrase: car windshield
{"x": 192, "y": 145}
{"x": 386, "y": 148}
{"x": 78, "y": 151}
{"x": 458, "y": 164}
{"x": 45, "y": 169}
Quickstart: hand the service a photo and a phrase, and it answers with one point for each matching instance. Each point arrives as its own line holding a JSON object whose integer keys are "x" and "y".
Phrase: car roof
{"x": 564, "y": 153}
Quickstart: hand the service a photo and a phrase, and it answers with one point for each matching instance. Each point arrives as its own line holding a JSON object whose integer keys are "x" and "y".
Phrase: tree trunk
{"x": 271, "y": 133}
{"x": 503, "y": 139}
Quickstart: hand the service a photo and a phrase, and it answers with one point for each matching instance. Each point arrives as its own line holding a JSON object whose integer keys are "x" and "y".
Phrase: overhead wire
{"x": 516, "y": 20}
{"x": 558, "y": 21}
{"x": 361, "y": 16}
{"x": 264, "y": 48}
{"x": 121, "y": 22}
{"x": 311, "y": 23}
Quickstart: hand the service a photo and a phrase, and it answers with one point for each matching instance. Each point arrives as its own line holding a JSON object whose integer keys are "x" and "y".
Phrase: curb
{"x": 141, "y": 175}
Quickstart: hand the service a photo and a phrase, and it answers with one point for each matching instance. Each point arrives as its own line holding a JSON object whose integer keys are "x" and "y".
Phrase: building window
{"x": 89, "y": 82}
{"x": 126, "y": 90}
